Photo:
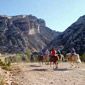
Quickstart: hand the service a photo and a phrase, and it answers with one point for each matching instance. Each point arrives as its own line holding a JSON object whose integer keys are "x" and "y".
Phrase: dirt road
{"x": 35, "y": 74}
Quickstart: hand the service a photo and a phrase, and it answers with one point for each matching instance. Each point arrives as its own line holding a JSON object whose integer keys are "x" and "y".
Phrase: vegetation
{"x": 82, "y": 57}
{"x": 2, "y": 81}
{"x": 18, "y": 57}
{"x": 23, "y": 56}
{"x": 5, "y": 65}
{"x": 28, "y": 54}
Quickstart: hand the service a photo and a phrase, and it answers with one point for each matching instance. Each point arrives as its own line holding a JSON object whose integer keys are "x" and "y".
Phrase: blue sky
{"x": 58, "y": 14}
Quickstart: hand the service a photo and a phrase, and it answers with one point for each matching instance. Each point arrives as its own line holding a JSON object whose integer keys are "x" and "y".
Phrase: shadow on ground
{"x": 62, "y": 69}
{"x": 34, "y": 66}
{"x": 39, "y": 69}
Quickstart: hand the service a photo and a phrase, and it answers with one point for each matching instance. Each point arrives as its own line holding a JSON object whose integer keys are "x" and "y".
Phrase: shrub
{"x": 1, "y": 63}
{"x": 82, "y": 57}
{"x": 8, "y": 68}
{"x": 18, "y": 57}
{"x": 28, "y": 54}
{"x": 5, "y": 66}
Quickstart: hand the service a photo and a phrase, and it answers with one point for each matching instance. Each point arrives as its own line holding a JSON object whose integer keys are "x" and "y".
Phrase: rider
{"x": 73, "y": 51}
{"x": 46, "y": 55}
{"x": 59, "y": 52}
{"x": 54, "y": 57}
{"x": 53, "y": 52}
{"x": 47, "y": 52}
{"x": 41, "y": 52}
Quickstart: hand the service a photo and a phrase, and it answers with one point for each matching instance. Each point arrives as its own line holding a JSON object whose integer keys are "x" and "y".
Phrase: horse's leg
{"x": 50, "y": 64}
{"x": 53, "y": 65}
{"x": 63, "y": 58}
{"x": 72, "y": 65}
{"x": 60, "y": 57}
{"x": 41, "y": 60}
{"x": 77, "y": 65}
{"x": 44, "y": 59}
{"x": 40, "y": 63}
{"x": 56, "y": 64}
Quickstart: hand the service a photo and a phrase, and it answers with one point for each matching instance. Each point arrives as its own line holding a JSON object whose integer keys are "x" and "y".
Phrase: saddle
{"x": 53, "y": 58}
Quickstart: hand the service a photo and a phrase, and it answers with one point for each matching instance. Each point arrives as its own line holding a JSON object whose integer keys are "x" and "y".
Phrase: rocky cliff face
{"x": 18, "y": 33}
{"x": 73, "y": 36}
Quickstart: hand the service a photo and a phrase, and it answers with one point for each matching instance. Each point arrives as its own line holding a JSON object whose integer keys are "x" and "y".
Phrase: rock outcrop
{"x": 18, "y": 33}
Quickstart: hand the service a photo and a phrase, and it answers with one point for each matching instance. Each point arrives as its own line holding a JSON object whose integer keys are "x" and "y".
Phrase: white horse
{"x": 73, "y": 58}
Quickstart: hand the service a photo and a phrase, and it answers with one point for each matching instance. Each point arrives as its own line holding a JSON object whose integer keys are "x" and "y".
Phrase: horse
{"x": 43, "y": 58}
{"x": 48, "y": 59}
{"x": 54, "y": 59}
{"x": 73, "y": 58}
{"x": 61, "y": 57}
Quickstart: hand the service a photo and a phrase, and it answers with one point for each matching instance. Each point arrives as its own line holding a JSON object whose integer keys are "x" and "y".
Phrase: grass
{"x": 5, "y": 66}
{"x": 82, "y": 57}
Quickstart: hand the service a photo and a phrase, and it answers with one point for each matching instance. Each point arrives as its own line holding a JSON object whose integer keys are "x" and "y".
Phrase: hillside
{"x": 21, "y": 32}
{"x": 73, "y": 36}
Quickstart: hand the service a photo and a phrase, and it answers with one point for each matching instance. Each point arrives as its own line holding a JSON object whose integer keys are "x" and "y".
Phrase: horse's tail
{"x": 78, "y": 60}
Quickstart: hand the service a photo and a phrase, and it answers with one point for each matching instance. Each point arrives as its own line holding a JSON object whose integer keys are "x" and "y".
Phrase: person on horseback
{"x": 46, "y": 55}
{"x": 41, "y": 52}
{"x": 59, "y": 53}
{"x": 47, "y": 52}
{"x": 40, "y": 56}
{"x": 54, "y": 57}
{"x": 73, "y": 51}
{"x": 53, "y": 52}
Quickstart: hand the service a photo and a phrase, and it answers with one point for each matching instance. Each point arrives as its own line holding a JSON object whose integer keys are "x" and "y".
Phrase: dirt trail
{"x": 34, "y": 74}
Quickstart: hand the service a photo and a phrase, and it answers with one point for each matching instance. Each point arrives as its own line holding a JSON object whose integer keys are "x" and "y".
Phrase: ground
{"x": 36, "y": 74}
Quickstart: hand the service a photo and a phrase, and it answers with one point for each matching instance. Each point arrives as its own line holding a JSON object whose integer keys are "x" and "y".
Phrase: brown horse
{"x": 54, "y": 59}
{"x": 43, "y": 58}
{"x": 49, "y": 59}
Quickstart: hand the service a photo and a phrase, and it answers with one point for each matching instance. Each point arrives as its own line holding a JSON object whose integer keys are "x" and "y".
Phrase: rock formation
{"x": 21, "y": 32}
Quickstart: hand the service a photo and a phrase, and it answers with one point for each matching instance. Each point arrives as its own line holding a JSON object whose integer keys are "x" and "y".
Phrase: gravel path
{"x": 35, "y": 74}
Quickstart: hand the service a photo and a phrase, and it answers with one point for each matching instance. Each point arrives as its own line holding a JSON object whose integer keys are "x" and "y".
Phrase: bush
{"x": 18, "y": 57}
{"x": 28, "y": 54}
{"x": 5, "y": 65}
{"x": 1, "y": 63}
{"x": 23, "y": 56}
{"x": 82, "y": 57}
{"x": 8, "y": 68}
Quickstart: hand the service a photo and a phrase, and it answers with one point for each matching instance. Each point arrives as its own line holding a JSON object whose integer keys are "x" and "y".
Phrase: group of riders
{"x": 54, "y": 54}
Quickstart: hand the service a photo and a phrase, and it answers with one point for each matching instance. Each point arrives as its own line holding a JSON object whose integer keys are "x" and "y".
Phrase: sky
{"x": 58, "y": 14}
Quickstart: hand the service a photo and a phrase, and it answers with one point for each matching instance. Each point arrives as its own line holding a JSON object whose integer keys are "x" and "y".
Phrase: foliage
{"x": 18, "y": 57}
{"x": 82, "y": 57}
{"x": 5, "y": 65}
{"x": 28, "y": 54}
{"x": 8, "y": 68}
{"x": 1, "y": 63}
{"x": 23, "y": 56}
